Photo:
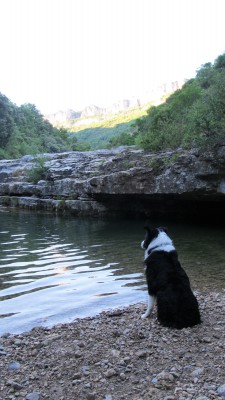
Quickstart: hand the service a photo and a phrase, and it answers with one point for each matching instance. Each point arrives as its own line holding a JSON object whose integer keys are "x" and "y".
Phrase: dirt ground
{"x": 117, "y": 355}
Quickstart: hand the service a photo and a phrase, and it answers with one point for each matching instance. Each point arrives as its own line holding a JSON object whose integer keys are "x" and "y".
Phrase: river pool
{"x": 55, "y": 269}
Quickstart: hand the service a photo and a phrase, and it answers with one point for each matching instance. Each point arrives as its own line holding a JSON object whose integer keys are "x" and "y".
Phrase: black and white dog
{"x": 168, "y": 283}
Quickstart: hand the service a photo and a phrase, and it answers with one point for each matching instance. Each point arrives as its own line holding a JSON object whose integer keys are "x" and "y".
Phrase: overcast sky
{"x": 60, "y": 54}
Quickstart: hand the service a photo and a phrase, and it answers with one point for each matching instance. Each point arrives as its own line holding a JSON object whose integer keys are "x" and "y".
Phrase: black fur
{"x": 177, "y": 307}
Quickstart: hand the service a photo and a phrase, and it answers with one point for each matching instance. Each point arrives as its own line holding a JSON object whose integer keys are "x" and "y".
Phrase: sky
{"x": 68, "y": 54}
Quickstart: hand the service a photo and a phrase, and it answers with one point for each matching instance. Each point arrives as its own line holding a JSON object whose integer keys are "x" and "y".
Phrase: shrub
{"x": 38, "y": 171}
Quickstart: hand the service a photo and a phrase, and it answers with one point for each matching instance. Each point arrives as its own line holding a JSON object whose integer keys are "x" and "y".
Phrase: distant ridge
{"x": 154, "y": 96}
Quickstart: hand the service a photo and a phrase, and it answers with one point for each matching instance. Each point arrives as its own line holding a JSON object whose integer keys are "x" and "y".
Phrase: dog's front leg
{"x": 151, "y": 302}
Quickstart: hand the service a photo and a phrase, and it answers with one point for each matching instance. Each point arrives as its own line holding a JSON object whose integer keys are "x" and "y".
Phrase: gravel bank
{"x": 116, "y": 355}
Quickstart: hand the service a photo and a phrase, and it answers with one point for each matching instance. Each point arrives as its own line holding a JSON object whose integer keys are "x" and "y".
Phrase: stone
{"x": 33, "y": 396}
{"x": 14, "y": 384}
{"x": 78, "y": 354}
{"x": 141, "y": 354}
{"x": 14, "y": 365}
{"x": 101, "y": 371}
{"x": 166, "y": 376}
{"x": 202, "y": 398}
{"x": 97, "y": 182}
{"x": 197, "y": 372}
{"x": 221, "y": 390}
{"x": 111, "y": 372}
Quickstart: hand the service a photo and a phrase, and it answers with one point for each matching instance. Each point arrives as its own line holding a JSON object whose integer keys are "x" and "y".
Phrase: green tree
{"x": 6, "y": 119}
{"x": 193, "y": 115}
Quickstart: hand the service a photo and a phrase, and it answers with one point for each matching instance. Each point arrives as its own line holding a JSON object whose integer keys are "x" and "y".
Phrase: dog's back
{"x": 168, "y": 282}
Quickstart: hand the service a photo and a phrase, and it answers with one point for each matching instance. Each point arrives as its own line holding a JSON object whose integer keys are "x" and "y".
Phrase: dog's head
{"x": 151, "y": 234}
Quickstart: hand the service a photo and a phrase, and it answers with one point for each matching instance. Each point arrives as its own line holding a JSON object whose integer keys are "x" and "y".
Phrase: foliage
{"x": 6, "y": 119}
{"x": 38, "y": 171}
{"x": 125, "y": 139}
{"x": 116, "y": 130}
{"x": 23, "y": 130}
{"x": 191, "y": 116}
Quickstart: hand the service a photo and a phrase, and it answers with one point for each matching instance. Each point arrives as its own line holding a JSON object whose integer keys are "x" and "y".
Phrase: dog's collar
{"x": 152, "y": 249}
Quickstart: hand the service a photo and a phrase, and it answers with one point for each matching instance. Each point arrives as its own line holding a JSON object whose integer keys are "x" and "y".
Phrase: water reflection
{"x": 54, "y": 269}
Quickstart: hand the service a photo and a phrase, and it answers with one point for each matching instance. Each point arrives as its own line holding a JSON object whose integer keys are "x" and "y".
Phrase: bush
{"x": 38, "y": 171}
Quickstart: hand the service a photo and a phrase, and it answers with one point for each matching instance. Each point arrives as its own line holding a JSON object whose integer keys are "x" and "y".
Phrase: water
{"x": 55, "y": 269}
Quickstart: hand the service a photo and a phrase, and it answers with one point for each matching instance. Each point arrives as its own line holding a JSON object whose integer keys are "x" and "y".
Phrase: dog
{"x": 167, "y": 282}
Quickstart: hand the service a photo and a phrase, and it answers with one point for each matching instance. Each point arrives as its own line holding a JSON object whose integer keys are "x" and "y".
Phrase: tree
{"x": 6, "y": 119}
{"x": 220, "y": 62}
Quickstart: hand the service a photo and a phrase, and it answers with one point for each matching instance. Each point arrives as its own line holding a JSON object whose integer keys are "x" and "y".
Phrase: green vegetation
{"x": 109, "y": 132}
{"x": 38, "y": 171}
{"x": 23, "y": 130}
{"x": 191, "y": 116}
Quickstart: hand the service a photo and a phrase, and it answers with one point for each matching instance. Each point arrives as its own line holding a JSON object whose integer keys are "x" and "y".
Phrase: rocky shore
{"x": 117, "y": 355}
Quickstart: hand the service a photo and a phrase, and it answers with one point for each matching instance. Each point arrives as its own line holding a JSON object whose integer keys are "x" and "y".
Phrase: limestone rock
{"x": 118, "y": 180}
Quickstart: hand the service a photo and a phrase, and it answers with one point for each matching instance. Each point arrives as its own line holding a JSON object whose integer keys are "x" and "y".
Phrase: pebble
{"x": 14, "y": 384}
{"x": 141, "y": 353}
{"x": 86, "y": 360}
{"x": 91, "y": 396}
{"x": 166, "y": 376}
{"x": 221, "y": 390}
{"x": 197, "y": 372}
{"x": 78, "y": 354}
{"x": 33, "y": 396}
{"x": 111, "y": 372}
{"x": 202, "y": 398}
{"x": 14, "y": 365}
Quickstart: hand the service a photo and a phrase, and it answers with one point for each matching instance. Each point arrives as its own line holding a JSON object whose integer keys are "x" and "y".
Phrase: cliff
{"x": 154, "y": 95}
{"x": 176, "y": 183}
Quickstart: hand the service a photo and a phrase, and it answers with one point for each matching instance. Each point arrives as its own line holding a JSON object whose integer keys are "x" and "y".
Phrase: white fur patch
{"x": 161, "y": 243}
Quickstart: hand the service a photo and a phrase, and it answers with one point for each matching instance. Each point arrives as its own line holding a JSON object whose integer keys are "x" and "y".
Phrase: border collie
{"x": 167, "y": 282}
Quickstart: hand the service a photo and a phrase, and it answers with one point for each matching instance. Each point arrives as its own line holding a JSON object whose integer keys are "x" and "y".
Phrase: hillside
{"x": 94, "y": 113}
{"x": 96, "y": 127}
{"x": 101, "y": 133}
{"x": 193, "y": 116}
{"x": 23, "y": 130}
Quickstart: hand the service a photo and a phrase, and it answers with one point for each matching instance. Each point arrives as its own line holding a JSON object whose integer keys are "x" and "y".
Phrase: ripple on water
{"x": 56, "y": 269}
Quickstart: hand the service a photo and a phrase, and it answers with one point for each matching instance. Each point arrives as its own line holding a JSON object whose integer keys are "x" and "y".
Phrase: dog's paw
{"x": 144, "y": 316}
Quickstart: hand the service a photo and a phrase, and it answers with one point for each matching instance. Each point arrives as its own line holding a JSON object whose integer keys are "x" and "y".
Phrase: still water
{"x": 56, "y": 269}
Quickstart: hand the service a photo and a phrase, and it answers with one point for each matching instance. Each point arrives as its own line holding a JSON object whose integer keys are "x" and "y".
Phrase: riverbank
{"x": 117, "y": 355}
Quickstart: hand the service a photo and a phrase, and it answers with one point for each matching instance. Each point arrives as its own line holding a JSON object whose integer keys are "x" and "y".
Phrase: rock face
{"x": 153, "y": 95}
{"x": 62, "y": 116}
{"x": 172, "y": 183}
